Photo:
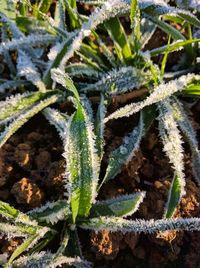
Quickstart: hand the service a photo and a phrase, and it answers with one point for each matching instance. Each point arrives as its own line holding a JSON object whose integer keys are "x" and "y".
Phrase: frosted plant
{"x": 82, "y": 136}
{"x": 27, "y": 69}
{"x": 114, "y": 70}
{"x": 159, "y": 94}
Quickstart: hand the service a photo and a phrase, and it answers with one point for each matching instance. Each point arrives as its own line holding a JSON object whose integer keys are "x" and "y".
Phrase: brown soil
{"x": 31, "y": 168}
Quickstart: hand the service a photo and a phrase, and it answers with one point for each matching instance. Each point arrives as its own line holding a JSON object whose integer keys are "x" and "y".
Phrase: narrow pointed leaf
{"x": 10, "y": 212}
{"x": 186, "y": 127}
{"x": 120, "y": 80}
{"x": 120, "y": 206}
{"x": 57, "y": 119}
{"x": 168, "y": 29}
{"x": 173, "y": 47}
{"x": 173, "y": 197}
{"x": 117, "y": 33}
{"x": 7, "y": 210}
{"x": 17, "y": 229}
{"x": 160, "y": 93}
{"x": 13, "y": 105}
{"x": 49, "y": 260}
{"x": 81, "y": 163}
{"x": 25, "y": 116}
{"x": 172, "y": 142}
{"x": 80, "y": 154}
{"x": 124, "y": 153}
{"x": 99, "y": 126}
{"x": 23, "y": 247}
{"x": 115, "y": 224}
{"x": 51, "y": 212}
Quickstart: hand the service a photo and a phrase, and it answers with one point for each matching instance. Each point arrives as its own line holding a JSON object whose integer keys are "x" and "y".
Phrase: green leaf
{"x": 155, "y": 10}
{"x": 51, "y": 212}
{"x": 115, "y": 224}
{"x": 24, "y": 116}
{"x": 44, "y": 6}
{"x": 8, "y": 8}
{"x": 7, "y": 210}
{"x": 124, "y": 153}
{"x": 149, "y": 115}
{"x": 80, "y": 154}
{"x": 23, "y": 247}
{"x": 174, "y": 197}
{"x": 47, "y": 75}
{"x": 15, "y": 104}
{"x": 173, "y": 47}
{"x": 74, "y": 246}
{"x": 10, "y": 212}
{"x": 62, "y": 78}
{"x": 181, "y": 117}
{"x": 119, "y": 38}
{"x": 99, "y": 126}
{"x": 92, "y": 54}
{"x": 189, "y": 17}
{"x": 120, "y": 206}
{"x": 17, "y": 229}
{"x": 192, "y": 90}
{"x": 73, "y": 15}
{"x": 168, "y": 29}
{"x": 81, "y": 163}
{"x": 135, "y": 23}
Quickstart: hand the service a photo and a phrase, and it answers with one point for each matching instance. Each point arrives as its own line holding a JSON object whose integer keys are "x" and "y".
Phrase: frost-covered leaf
{"x": 28, "y": 243}
{"x": 17, "y": 229}
{"x": 185, "y": 125}
{"x": 160, "y": 93}
{"x": 82, "y": 70}
{"x": 119, "y": 81}
{"x": 174, "y": 195}
{"x": 80, "y": 154}
{"x": 178, "y": 45}
{"x": 124, "y": 205}
{"x": 155, "y": 8}
{"x": 26, "y": 68}
{"x": 81, "y": 158}
{"x": 57, "y": 119}
{"x": 117, "y": 34}
{"x": 116, "y": 224}
{"x": 16, "y": 33}
{"x": 30, "y": 40}
{"x": 62, "y": 78}
{"x": 12, "y": 84}
{"x": 99, "y": 126}
{"x": 12, "y": 106}
{"x": 172, "y": 142}
{"x": 48, "y": 260}
{"x": 24, "y": 116}
{"x": 167, "y": 28}
{"x": 124, "y": 153}
{"x": 51, "y": 212}
{"x": 147, "y": 30}
{"x": 109, "y": 10}
{"x": 11, "y": 213}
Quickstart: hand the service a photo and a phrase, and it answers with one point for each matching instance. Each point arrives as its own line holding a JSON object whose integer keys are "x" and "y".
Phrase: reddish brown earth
{"x": 31, "y": 168}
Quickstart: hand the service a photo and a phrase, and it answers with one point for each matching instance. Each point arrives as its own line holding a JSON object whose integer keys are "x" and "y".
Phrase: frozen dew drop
{"x": 123, "y": 150}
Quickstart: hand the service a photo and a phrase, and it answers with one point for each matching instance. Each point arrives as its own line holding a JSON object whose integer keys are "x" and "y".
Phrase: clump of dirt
{"x": 31, "y": 162}
{"x": 28, "y": 193}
